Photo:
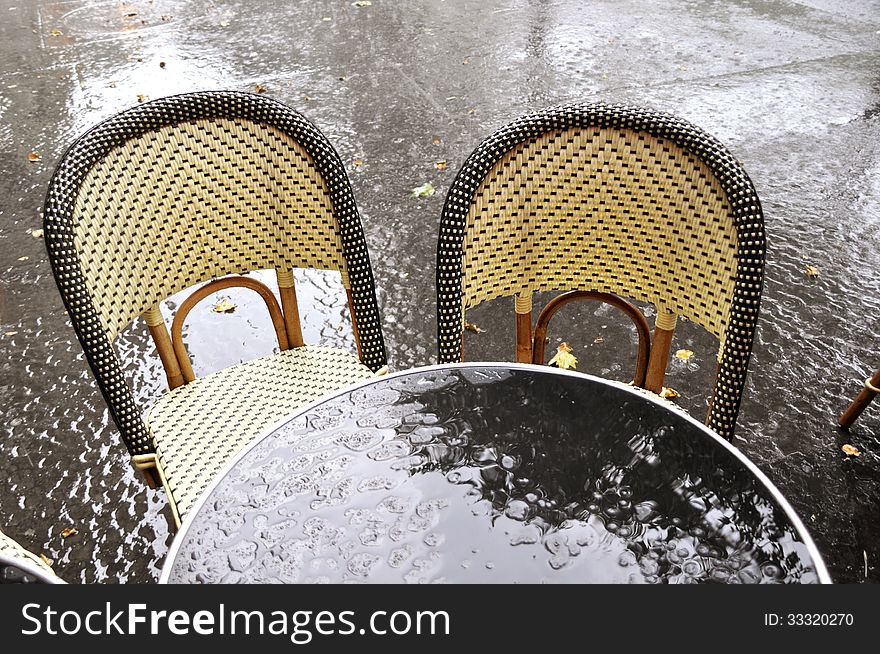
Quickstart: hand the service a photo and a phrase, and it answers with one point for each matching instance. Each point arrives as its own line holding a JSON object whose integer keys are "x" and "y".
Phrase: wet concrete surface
{"x": 793, "y": 89}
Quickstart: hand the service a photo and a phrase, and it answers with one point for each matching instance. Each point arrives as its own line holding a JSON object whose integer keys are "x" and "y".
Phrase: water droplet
{"x": 771, "y": 571}
{"x": 517, "y": 510}
{"x": 434, "y": 540}
{"x": 483, "y": 507}
{"x": 362, "y": 563}
{"x": 649, "y": 566}
{"x": 626, "y": 558}
{"x": 394, "y": 504}
{"x": 398, "y": 556}
{"x": 459, "y": 476}
{"x": 423, "y": 435}
{"x": 361, "y": 440}
{"x": 376, "y": 483}
{"x": 509, "y": 462}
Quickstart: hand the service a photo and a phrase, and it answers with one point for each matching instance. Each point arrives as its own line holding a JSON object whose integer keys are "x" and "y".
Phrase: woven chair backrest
{"x": 194, "y": 201}
{"x": 603, "y": 209}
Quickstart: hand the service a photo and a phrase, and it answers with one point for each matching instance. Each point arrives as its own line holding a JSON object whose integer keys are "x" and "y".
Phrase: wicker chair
{"x": 861, "y": 401}
{"x": 191, "y": 188}
{"x": 606, "y": 201}
{"x": 18, "y": 565}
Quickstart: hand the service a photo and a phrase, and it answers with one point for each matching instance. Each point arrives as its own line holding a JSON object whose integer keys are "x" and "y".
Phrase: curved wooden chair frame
{"x": 543, "y": 324}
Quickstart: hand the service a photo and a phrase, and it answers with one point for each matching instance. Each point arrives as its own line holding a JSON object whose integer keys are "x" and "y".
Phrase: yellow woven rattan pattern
{"x": 14, "y": 550}
{"x": 198, "y": 427}
{"x": 610, "y": 210}
{"x": 207, "y": 198}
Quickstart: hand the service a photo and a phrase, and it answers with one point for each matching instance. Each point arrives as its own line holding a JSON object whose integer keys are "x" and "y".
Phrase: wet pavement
{"x": 793, "y": 89}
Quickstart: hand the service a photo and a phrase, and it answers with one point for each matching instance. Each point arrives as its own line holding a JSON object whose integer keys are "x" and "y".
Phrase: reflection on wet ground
{"x": 791, "y": 87}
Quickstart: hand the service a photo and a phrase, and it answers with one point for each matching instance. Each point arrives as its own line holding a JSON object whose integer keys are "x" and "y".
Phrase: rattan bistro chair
{"x": 606, "y": 201}
{"x": 18, "y": 565}
{"x": 191, "y": 188}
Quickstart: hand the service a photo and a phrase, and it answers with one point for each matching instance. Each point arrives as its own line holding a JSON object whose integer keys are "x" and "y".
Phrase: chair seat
{"x": 14, "y": 552}
{"x": 197, "y": 428}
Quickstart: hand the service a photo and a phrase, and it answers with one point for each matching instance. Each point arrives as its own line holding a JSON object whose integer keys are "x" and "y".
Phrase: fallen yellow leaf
{"x": 440, "y": 164}
{"x": 564, "y": 358}
{"x": 142, "y": 98}
{"x": 811, "y": 271}
{"x": 684, "y": 355}
{"x": 849, "y": 450}
{"x": 34, "y": 156}
{"x": 471, "y": 327}
{"x": 55, "y": 32}
{"x": 37, "y": 233}
{"x": 668, "y": 392}
{"x": 259, "y": 88}
{"x": 223, "y": 305}
{"x": 45, "y": 559}
{"x": 68, "y": 532}
{"x": 358, "y": 163}
{"x": 436, "y": 140}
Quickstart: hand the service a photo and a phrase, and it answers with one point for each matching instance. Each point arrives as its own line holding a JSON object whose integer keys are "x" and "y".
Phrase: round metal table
{"x": 492, "y": 473}
{"x": 18, "y": 570}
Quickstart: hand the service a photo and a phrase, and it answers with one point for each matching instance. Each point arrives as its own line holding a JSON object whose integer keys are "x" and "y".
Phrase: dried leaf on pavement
{"x": 436, "y": 140}
{"x": 564, "y": 358}
{"x": 471, "y": 327}
{"x": 684, "y": 355}
{"x": 259, "y": 88}
{"x": 45, "y": 559}
{"x": 37, "y": 233}
{"x": 142, "y": 98}
{"x": 425, "y": 190}
{"x": 668, "y": 392}
{"x": 55, "y": 32}
{"x": 223, "y": 305}
{"x": 34, "y": 156}
{"x": 440, "y": 164}
{"x": 68, "y": 532}
{"x": 811, "y": 271}
{"x": 850, "y": 450}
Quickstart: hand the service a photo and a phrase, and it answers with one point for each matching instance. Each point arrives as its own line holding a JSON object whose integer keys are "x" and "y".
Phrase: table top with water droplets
{"x": 492, "y": 474}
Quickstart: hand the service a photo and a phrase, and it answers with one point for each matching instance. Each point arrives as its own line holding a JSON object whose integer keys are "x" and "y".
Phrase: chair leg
{"x": 523, "y": 308}
{"x": 863, "y": 399}
{"x": 146, "y": 464}
{"x": 661, "y": 345}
